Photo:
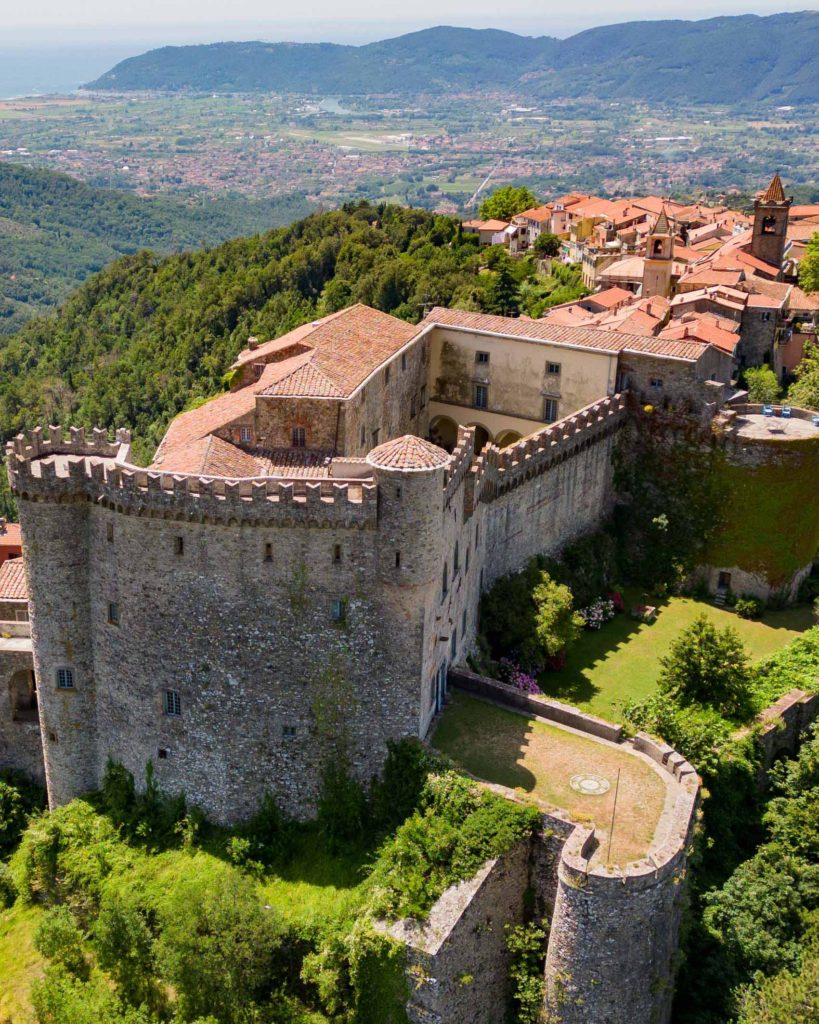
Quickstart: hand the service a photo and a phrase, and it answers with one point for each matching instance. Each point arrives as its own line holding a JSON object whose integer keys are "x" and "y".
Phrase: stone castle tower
{"x": 771, "y": 211}
{"x": 659, "y": 258}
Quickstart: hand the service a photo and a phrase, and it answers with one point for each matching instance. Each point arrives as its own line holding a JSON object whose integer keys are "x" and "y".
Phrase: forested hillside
{"x": 148, "y": 335}
{"x": 56, "y": 231}
{"x": 720, "y": 60}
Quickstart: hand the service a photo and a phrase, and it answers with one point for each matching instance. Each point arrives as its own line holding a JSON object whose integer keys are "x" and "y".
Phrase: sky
{"x": 152, "y": 22}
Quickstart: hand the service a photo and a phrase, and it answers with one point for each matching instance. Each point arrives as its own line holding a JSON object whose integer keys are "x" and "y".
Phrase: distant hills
{"x": 56, "y": 231}
{"x": 720, "y": 60}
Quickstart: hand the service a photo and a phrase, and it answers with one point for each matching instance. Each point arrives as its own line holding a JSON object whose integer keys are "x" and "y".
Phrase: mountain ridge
{"x": 723, "y": 59}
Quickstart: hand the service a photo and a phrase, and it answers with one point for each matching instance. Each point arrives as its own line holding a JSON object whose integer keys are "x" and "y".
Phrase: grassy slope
{"x": 20, "y": 963}
{"x": 620, "y": 662}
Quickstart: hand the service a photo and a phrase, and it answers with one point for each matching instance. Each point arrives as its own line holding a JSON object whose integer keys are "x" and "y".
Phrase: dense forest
{"x": 148, "y": 335}
{"x": 56, "y": 231}
{"x": 721, "y": 60}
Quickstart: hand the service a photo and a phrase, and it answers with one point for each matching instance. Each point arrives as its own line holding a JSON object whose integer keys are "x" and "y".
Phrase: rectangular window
{"x": 550, "y": 410}
{"x": 375, "y": 437}
{"x": 258, "y": 370}
{"x": 339, "y": 610}
{"x": 553, "y": 369}
{"x": 387, "y": 375}
{"x": 268, "y": 552}
{"x": 336, "y": 554}
{"x": 413, "y": 410}
{"x": 179, "y": 545}
{"x": 397, "y": 559}
{"x": 423, "y": 396}
{"x": 466, "y": 563}
{"x": 403, "y": 360}
{"x": 299, "y": 437}
{"x": 65, "y": 678}
{"x": 766, "y": 316}
{"x": 288, "y": 732}
{"x": 463, "y": 623}
{"x": 245, "y": 435}
{"x": 454, "y": 644}
{"x": 656, "y": 382}
{"x": 173, "y": 704}
{"x": 113, "y": 613}
{"x": 362, "y": 440}
{"x": 109, "y": 532}
{"x": 482, "y": 357}
{"x": 162, "y": 753}
{"x": 445, "y": 582}
{"x": 481, "y": 396}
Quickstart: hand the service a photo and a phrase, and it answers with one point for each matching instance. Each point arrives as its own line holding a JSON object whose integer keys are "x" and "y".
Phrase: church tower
{"x": 659, "y": 258}
{"x": 771, "y": 223}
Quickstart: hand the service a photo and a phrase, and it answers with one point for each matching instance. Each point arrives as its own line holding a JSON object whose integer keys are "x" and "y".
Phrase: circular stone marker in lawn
{"x": 590, "y": 785}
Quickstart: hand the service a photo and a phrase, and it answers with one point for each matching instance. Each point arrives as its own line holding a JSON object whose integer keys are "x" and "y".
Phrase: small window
{"x": 268, "y": 552}
{"x": 397, "y": 493}
{"x": 162, "y": 753}
{"x": 173, "y": 704}
{"x": 656, "y": 382}
{"x": 481, "y": 396}
{"x": 413, "y": 409}
{"x": 245, "y": 435}
{"x": 397, "y": 559}
{"x": 423, "y": 396}
{"x": 466, "y": 562}
{"x": 362, "y": 440}
{"x": 445, "y": 582}
{"x": 403, "y": 360}
{"x": 769, "y": 225}
{"x": 375, "y": 437}
{"x": 258, "y": 370}
{"x": 339, "y": 610}
{"x": 179, "y": 545}
{"x": 65, "y": 678}
{"x": 454, "y": 644}
{"x": 766, "y": 316}
{"x": 456, "y": 561}
{"x": 553, "y": 369}
{"x": 477, "y": 534}
{"x": 463, "y": 623}
{"x": 482, "y": 357}
{"x": 387, "y": 375}
{"x": 336, "y": 554}
{"x": 299, "y": 437}
{"x": 113, "y": 613}
{"x": 109, "y": 533}
{"x": 550, "y": 410}
{"x": 288, "y": 732}
{"x": 52, "y": 736}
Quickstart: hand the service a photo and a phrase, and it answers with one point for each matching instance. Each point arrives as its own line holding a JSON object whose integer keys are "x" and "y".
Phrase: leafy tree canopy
{"x": 804, "y": 392}
{"x": 809, "y": 266}
{"x": 506, "y": 201}
{"x": 762, "y": 384}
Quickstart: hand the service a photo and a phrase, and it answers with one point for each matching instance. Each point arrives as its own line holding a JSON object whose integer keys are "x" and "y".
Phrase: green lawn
{"x": 538, "y": 759}
{"x": 20, "y": 963}
{"x": 620, "y": 662}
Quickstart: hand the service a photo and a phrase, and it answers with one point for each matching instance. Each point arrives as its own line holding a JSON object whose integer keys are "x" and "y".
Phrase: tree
{"x": 503, "y": 295}
{"x": 505, "y": 202}
{"x": 809, "y": 266}
{"x": 804, "y": 392}
{"x": 557, "y": 624}
{"x": 785, "y": 997}
{"x": 707, "y": 666}
{"x": 547, "y": 244}
{"x": 762, "y": 384}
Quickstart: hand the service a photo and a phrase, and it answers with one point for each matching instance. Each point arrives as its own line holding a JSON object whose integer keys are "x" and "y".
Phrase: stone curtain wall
{"x": 784, "y": 725}
{"x": 20, "y": 744}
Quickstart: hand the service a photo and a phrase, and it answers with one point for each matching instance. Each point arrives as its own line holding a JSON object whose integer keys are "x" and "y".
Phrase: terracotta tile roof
{"x": 800, "y": 212}
{"x": 706, "y": 277}
{"x": 13, "y": 581}
{"x": 626, "y": 269}
{"x": 537, "y": 213}
{"x": 487, "y": 225}
{"x": 581, "y": 337}
{"x": 609, "y": 297}
{"x": 10, "y": 536}
{"x": 407, "y": 453}
{"x": 571, "y": 315}
{"x": 774, "y": 193}
{"x": 710, "y": 330}
{"x": 308, "y": 381}
{"x": 295, "y": 462}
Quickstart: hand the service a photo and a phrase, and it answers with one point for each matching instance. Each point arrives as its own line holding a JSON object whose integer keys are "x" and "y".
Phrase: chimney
{"x": 252, "y": 344}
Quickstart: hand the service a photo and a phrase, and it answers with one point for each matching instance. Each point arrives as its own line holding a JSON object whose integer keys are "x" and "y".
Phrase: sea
{"x": 36, "y": 71}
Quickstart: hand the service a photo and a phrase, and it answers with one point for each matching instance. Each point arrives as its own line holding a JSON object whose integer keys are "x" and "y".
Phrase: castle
{"x": 304, "y": 560}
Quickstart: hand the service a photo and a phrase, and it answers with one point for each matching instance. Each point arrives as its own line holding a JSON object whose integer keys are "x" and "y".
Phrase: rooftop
{"x": 775, "y": 428}
{"x": 13, "y": 581}
{"x": 407, "y": 453}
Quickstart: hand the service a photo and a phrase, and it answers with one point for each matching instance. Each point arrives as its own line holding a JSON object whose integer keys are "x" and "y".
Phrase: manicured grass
{"x": 538, "y": 759}
{"x": 621, "y": 661}
{"x": 20, "y": 963}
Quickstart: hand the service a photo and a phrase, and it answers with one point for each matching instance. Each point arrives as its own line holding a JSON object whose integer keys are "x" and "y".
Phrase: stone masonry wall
{"x": 20, "y": 744}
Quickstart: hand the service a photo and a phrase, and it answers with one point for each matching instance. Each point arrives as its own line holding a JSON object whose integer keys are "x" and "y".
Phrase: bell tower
{"x": 659, "y": 258}
{"x": 771, "y": 210}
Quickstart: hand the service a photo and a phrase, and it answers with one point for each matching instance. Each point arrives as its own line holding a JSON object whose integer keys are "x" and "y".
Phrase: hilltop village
{"x": 313, "y": 545}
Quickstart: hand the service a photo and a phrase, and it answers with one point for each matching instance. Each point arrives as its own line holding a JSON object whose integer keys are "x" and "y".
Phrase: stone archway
{"x": 507, "y": 437}
{"x": 443, "y": 431}
{"x": 23, "y": 696}
{"x": 482, "y": 436}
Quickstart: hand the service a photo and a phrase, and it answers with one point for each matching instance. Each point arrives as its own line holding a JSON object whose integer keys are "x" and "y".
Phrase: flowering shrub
{"x": 515, "y": 676}
{"x": 598, "y": 612}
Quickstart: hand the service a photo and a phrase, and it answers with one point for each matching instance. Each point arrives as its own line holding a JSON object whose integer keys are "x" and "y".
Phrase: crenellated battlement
{"x": 462, "y": 457}
{"x": 57, "y": 469}
{"x": 498, "y": 470}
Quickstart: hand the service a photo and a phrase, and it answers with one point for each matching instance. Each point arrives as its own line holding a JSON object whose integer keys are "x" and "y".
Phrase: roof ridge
{"x": 774, "y": 193}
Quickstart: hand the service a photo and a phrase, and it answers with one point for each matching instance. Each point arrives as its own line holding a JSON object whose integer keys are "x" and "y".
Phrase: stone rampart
{"x": 564, "y": 714}
{"x": 784, "y": 724}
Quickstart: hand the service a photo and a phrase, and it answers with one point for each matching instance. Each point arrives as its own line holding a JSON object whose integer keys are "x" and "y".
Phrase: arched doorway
{"x": 507, "y": 437}
{"x": 443, "y": 431}
{"x": 23, "y": 696}
{"x": 482, "y": 436}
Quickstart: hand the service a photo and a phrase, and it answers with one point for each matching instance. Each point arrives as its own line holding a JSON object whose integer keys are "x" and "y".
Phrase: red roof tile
{"x": 13, "y": 581}
{"x": 10, "y": 535}
{"x": 407, "y": 453}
